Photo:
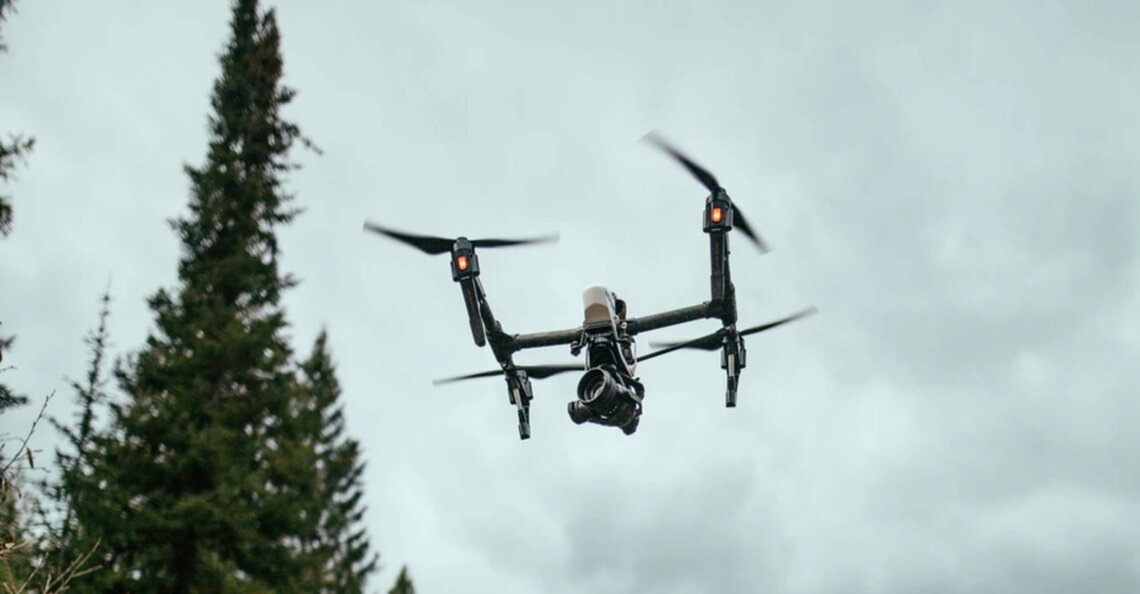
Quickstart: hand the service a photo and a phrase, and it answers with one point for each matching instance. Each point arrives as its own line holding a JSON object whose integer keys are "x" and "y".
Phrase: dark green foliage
{"x": 225, "y": 469}
{"x": 5, "y": 6}
{"x": 16, "y": 149}
{"x": 403, "y": 583}
{"x": 68, "y": 540}
{"x": 204, "y": 472}
{"x": 8, "y": 398}
{"x": 17, "y": 557}
{"x": 337, "y": 540}
{"x": 9, "y": 154}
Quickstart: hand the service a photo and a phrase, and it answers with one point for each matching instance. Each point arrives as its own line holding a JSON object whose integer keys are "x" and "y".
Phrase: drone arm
{"x": 723, "y": 293}
{"x": 472, "y": 295}
{"x": 484, "y": 327}
{"x": 500, "y": 341}
{"x": 670, "y": 318}
{"x": 543, "y": 339}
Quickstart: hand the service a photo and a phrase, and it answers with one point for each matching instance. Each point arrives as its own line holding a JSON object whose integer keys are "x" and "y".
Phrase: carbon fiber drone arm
{"x": 500, "y": 341}
{"x": 503, "y": 344}
{"x": 519, "y": 342}
{"x": 671, "y": 318}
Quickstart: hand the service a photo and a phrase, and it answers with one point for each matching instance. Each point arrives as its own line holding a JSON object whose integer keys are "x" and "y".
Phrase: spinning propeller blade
{"x": 532, "y": 371}
{"x": 707, "y": 179}
{"x": 800, "y": 314}
{"x": 712, "y": 342}
{"x": 553, "y": 237}
{"x": 442, "y": 245}
{"x": 738, "y": 220}
{"x": 715, "y": 336}
{"x": 425, "y": 243}
{"x": 709, "y": 182}
{"x": 709, "y": 342}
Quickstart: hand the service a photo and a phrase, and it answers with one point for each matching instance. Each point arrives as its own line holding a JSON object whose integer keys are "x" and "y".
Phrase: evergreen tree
{"x": 9, "y": 154}
{"x": 403, "y": 583}
{"x": 17, "y": 148}
{"x": 337, "y": 544}
{"x": 68, "y": 541}
{"x": 36, "y": 558}
{"x": 8, "y": 398}
{"x": 17, "y": 556}
{"x": 201, "y": 486}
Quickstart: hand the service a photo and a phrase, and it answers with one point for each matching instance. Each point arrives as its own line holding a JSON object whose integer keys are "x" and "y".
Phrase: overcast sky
{"x": 953, "y": 184}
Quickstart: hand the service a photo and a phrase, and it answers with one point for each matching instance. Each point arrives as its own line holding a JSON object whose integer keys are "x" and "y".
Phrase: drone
{"x": 609, "y": 392}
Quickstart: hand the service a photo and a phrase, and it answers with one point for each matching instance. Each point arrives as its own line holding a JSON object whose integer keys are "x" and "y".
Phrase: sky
{"x": 953, "y": 184}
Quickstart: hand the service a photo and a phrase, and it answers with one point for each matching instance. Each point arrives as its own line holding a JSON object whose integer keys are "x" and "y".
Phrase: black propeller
{"x": 532, "y": 371}
{"x": 442, "y": 245}
{"x": 712, "y": 342}
{"x": 713, "y": 186}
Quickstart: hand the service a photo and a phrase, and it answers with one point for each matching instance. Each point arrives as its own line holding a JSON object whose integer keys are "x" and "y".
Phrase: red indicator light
{"x": 461, "y": 262}
{"x": 716, "y": 214}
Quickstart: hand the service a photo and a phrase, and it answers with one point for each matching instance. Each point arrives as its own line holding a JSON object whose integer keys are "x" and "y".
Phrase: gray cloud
{"x": 952, "y": 184}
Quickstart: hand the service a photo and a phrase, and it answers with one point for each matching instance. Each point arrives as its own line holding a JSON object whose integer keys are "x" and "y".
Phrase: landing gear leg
{"x": 732, "y": 361}
{"x": 518, "y": 387}
{"x": 524, "y": 423}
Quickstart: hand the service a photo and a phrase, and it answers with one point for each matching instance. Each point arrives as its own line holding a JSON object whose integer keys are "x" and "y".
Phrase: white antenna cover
{"x": 599, "y": 304}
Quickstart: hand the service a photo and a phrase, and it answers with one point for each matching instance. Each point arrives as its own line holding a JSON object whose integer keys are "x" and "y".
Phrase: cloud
{"x": 952, "y": 185}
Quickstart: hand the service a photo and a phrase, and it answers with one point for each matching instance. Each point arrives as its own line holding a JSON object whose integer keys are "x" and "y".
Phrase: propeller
{"x": 712, "y": 342}
{"x": 532, "y": 371}
{"x": 709, "y": 182}
{"x": 442, "y": 245}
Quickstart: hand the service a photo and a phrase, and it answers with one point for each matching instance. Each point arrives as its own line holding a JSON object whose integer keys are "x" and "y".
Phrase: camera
{"x": 605, "y": 398}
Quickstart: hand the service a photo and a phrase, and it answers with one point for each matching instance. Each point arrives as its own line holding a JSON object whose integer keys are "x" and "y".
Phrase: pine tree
{"x": 17, "y": 555}
{"x": 200, "y": 489}
{"x": 34, "y": 554}
{"x": 9, "y": 154}
{"x": 17, "y": 149}
{"x": 403, "y": 583}
{"x": 68, "y": 541}
{"x": 8, "y": 398}
{"x": 338, "y": 544}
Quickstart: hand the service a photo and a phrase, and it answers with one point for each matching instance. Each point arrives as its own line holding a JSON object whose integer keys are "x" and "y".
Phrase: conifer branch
{"x": 23, "y": 449}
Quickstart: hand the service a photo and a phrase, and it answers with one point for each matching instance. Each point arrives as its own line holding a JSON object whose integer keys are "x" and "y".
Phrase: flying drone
{"x": 609, "y": 392}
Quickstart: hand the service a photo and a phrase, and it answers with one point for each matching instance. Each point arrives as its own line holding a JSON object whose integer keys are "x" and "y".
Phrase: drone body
{"x": 609, "y": 392}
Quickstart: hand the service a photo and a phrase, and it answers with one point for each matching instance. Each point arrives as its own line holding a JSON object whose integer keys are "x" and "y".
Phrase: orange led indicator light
{"x": 716, "y": 214}
{"x": 462, "y": 262}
